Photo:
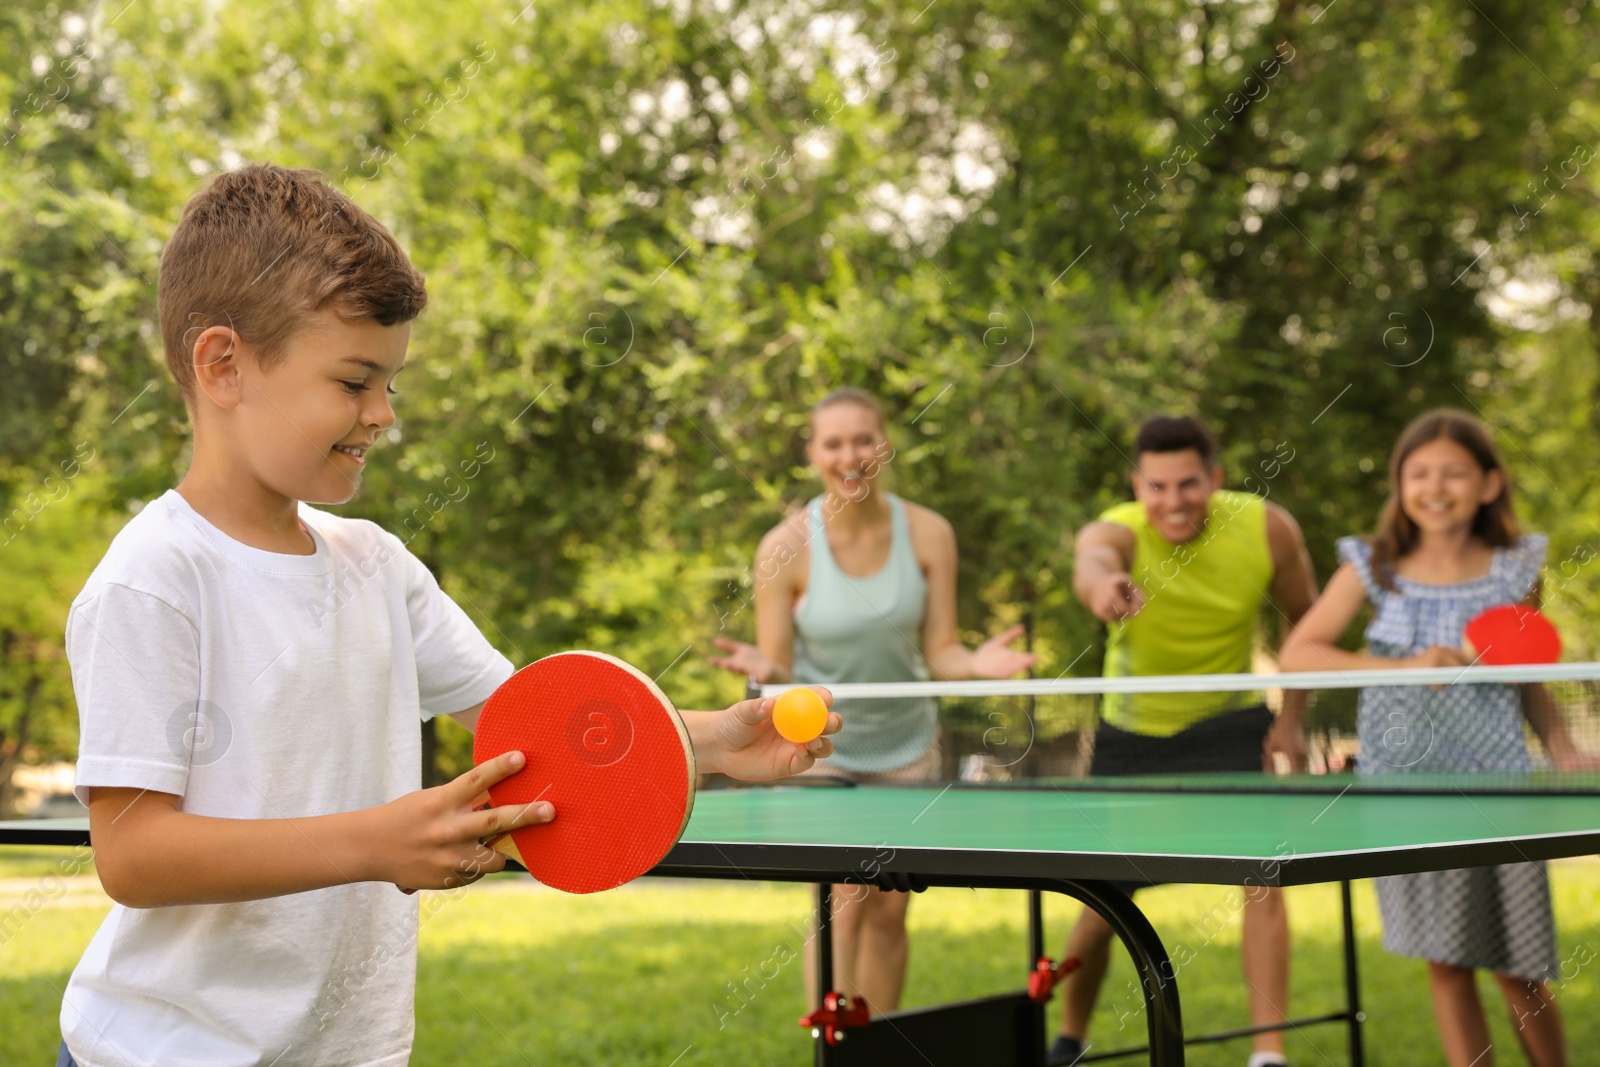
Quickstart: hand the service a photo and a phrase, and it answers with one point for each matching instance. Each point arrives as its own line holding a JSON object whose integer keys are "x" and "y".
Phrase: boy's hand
{"x": 433, "y": 838}
{"x": 741, "y": 742}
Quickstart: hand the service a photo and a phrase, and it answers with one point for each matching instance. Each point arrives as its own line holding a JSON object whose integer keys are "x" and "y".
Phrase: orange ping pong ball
{"x": 799, "y": 715}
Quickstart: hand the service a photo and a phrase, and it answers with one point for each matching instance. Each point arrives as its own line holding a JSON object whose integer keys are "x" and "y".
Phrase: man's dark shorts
{"x": 1228, "y": 742}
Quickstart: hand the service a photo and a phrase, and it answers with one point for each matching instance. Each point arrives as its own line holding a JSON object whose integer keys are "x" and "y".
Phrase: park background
{"x": 655, "y": 233}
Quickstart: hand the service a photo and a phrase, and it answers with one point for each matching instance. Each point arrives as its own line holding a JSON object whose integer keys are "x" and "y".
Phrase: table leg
{"x": 1158, "y": 979}
{"x": 824, "y": 962}
{"x": 824, "y": 938}
{"x": 1352, "y": 981}
{"x": 1035, "y": 927}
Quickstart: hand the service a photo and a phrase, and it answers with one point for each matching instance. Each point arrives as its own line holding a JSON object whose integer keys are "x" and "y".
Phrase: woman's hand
{"x": 741, "y": 742}
{"x": 993, "y": 659}
{"x": 746, "y": 659}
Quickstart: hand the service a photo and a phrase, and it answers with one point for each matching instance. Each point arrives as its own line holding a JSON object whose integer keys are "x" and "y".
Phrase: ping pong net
{"x": 1532, "y": 729}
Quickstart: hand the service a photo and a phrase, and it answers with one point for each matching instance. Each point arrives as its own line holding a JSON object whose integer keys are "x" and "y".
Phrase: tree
{"x": 654, "y": 234}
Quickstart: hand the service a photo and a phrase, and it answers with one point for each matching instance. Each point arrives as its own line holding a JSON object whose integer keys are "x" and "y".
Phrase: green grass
{"x": 26, "y": 862}
{"x": 521, "y": 975}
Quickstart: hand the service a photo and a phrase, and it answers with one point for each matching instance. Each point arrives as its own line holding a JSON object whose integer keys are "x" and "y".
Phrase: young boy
{"x": 251, "y": 673}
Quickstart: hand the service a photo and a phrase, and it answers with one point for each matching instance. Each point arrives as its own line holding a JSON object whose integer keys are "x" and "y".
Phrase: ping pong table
{"x": 1078, "y": 838}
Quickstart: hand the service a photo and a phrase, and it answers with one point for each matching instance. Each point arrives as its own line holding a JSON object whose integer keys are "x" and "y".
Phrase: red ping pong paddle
{"x": 608, "y": 749}
{"x": 1509, "y": 634}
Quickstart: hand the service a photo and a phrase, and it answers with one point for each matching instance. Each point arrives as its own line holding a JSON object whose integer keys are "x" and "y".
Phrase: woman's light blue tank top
{"x": 867, "y": 630}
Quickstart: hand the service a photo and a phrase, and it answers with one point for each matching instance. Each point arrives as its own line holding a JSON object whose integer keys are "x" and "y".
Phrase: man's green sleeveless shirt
{"x": 1202, "y": 599}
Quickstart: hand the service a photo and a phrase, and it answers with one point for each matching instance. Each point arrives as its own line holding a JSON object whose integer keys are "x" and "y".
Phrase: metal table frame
{"x": 965, "y": 1032}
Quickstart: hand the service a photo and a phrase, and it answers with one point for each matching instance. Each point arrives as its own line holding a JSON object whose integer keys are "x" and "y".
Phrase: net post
{"x": 1352, "y": 982}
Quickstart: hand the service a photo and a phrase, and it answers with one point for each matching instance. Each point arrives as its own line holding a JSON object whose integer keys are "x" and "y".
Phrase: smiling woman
{"x": 860, "y": 586}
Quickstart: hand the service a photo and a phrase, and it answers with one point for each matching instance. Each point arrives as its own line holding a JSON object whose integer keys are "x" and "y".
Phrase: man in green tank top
{"x": 1180, "y": 576}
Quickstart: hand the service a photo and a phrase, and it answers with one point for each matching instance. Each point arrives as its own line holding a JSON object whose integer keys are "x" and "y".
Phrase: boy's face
{"x": 302, "y": 427}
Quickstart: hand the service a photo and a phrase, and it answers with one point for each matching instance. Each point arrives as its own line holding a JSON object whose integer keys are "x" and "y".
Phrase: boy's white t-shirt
{"x": 256, "y": 685}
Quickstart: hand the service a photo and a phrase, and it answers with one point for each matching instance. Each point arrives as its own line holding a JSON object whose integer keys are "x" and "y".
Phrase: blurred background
{"x": 655, "y": 233}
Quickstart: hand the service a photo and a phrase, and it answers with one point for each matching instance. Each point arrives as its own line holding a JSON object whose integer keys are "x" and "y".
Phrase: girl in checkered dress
{"x": 1447, "y": 547}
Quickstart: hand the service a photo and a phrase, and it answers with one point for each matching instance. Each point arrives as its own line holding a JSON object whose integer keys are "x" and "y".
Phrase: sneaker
{"x": 1267, "y": 1059}
{"x": 1065, "y": 1051}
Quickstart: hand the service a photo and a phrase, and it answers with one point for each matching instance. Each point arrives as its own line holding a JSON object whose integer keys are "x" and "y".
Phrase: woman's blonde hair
{"x": 850, "y": 395}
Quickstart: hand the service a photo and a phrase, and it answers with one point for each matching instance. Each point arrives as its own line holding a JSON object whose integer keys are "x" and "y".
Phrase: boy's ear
{"x": 216, "y": 365}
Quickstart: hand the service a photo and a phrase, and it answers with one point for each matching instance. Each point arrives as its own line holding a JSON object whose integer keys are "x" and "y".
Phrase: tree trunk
{"x": 431, "y": 775}
{"x": 11, "y": 757}
{"x": 430, "y": 755}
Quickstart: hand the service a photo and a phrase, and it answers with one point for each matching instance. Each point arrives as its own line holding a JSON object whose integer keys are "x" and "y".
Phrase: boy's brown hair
{"x": 1495, "y": 523}
{"x": 261, "y": 249}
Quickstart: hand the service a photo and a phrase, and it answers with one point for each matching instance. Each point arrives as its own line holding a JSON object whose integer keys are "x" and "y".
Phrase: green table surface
{"x": 1273, "y": 838}
{"x": 1537, "y": 783}
{"x": 989, "y": 835}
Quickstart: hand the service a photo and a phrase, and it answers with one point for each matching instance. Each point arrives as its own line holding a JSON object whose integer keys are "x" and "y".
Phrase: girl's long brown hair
{"x": 1494, "y": 523}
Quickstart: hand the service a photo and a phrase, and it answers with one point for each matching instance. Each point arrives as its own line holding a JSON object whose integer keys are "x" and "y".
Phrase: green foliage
{"x": 49, "y": 542}
{"x": 654, "y": 234}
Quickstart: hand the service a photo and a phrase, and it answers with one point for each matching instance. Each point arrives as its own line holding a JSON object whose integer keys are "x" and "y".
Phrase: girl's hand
{"x": 745, "y": 659}
{"x": 742, "y": 743}
{"x": 1437, "y": 656}
{"x": 993, "y": 659}
{"x": 1572, "y": 761}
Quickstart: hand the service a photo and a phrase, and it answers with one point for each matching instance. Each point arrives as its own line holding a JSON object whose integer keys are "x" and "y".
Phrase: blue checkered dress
{"x": 1497, "y": 918}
